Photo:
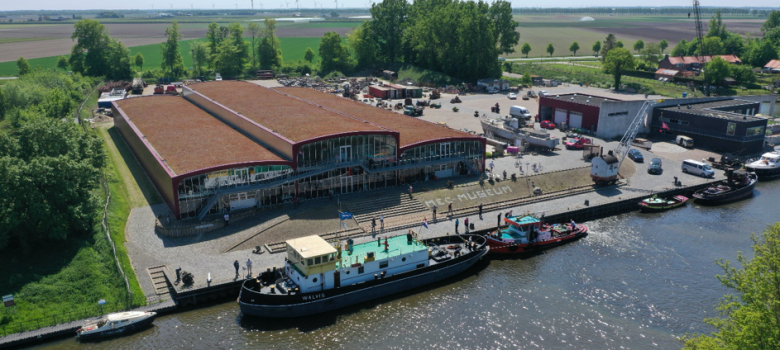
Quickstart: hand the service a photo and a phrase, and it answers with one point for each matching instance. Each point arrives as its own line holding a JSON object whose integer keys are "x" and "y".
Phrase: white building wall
{"x": 616, "y": 116}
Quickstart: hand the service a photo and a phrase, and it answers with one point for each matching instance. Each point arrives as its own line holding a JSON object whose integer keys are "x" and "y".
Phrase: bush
{"x": 296, "y": 68}
{"x": 333, "y": 74}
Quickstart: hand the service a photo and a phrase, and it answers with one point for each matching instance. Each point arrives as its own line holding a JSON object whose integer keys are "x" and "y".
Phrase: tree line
{"x": 641, "y": 11}
{"x": 49, "y": 165}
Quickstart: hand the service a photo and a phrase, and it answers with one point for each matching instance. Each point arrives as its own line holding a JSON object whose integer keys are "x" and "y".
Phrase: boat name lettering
{"x": 314, "y": 296}
{"x": 469, "y": 196}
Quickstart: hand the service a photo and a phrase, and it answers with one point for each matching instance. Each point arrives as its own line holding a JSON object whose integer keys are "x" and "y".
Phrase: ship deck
{"x": 396, "y": 246}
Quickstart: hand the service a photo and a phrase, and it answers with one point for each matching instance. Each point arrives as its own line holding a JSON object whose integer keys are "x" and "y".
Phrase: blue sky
{"x": 9, "y": 5}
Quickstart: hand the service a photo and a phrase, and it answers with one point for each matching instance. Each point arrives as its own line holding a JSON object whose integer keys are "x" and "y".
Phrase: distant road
{"x": 554, "y": 58}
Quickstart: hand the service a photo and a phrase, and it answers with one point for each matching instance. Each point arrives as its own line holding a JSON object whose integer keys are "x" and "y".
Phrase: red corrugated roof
{"x": 773, "y": 64}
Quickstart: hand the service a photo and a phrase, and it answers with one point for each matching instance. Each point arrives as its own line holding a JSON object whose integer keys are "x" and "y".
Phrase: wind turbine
{"x": 192, "y": 6}
{"x": 253, "y": 4}
{"x": 337, "y": 4}
{"x": 297, "y": 7}
{"x": 171, "y": 6}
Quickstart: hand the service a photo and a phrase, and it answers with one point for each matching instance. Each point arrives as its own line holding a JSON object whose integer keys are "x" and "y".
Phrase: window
{"x": 383, "y": 265}
{"x": 360, "y": 269}
{"x": 314, "y": 280}
{"x": 731, "y": 128}
{"x": 755, "y": 131}
{"x": 309, "y": 262}
{"x": 419, "y": 266}
{"x": 317, "y": 260}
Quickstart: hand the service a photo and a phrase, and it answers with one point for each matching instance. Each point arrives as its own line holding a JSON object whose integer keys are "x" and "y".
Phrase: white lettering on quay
{"x": 469, "y": 196}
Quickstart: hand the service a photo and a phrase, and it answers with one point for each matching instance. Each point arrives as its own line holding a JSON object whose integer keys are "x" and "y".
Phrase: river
{"x": 637, "y": 281}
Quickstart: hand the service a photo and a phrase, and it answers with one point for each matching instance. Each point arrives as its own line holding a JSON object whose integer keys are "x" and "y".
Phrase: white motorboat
{"x": 116, "y": 324}
{"x": 767, "y": 166}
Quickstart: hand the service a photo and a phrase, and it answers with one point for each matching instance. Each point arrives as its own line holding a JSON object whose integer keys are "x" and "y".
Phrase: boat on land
{"x": 319, "y": 277}
{"x": 656, "y": 204}
{"x": 739, "y": 184}
{"x": 768, "y": 166}
{"x": 527, "y": 234}
{"x": 509, "y": 128}
{"x": 116, "y": 324}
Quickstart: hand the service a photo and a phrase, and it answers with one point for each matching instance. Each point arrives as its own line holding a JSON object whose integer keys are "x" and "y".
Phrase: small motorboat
{"x": 766, "y": 167}
{"x": 115, "y": 324}
{"x": 739, "y": 184}
{"x": 655, "y": 203}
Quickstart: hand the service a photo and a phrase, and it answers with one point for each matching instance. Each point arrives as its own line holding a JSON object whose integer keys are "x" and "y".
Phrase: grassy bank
{"x": 292, "y": 50}
{"x": 54, "y": 283}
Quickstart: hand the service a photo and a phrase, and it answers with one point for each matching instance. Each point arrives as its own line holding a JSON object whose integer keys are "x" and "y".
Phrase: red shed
{"x": 379, "y": 92}
{"x": 572, "y": 110}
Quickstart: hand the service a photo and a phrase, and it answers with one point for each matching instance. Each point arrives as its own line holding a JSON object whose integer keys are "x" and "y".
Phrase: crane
{"x": 699, "y": 31}
{"x": 604, "y": 169}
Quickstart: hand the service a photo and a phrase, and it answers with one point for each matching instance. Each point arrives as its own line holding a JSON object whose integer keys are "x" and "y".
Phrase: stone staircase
{"x": 368, "y": 207}
{"x": 159, "y": 281}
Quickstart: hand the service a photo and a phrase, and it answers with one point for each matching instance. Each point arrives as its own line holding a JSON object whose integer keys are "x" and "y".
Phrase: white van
{"x": 519, "y": 112}
{"x": 684, "y": 141}
{"x": 690, "y": 166}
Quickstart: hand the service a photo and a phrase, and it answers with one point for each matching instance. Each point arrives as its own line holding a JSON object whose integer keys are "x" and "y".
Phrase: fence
{"x": 74, "y": 315}
{"x": 104, "y": 223}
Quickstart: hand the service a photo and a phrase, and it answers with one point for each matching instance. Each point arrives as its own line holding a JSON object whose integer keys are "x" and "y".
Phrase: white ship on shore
{"x": 509, "y": 129}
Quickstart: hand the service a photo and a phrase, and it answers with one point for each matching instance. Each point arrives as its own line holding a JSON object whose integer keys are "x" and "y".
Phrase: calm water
{"x": 636, "y": 282}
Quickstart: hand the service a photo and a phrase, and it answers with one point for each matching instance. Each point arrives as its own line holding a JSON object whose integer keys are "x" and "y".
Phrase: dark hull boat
{"x": 319, "y": 278}
{"x": 739, "y": 185}
{"x": 527, "y": 235}
{"x": 656, "y": 204}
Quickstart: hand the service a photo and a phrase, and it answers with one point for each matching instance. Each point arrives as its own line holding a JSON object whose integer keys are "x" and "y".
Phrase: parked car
{"x": 655, "y": 166}
{"x": 636, "y": 156}
{"x": 525, "y": 97}
{"x": 547, "y": 124}
{"x": 690, "y": 166}
{"x": 577, "y": 143}
{"x": 218, "y": 77}
{"x": 492, "y": 90}
{"x": 512, "y": 96}
{"x": 543, "y": 93}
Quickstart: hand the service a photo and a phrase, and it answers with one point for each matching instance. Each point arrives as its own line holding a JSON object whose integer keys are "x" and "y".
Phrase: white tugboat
{"x": 318, "y": 277}
{"x": 767, "y": 166}
{"x": 115, "y": 324}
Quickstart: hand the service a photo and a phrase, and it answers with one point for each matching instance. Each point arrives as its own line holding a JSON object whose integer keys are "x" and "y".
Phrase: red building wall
{"x": 590, "y": 114}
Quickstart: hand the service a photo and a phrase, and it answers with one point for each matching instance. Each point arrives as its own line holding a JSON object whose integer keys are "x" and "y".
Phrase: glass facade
{"x": 346, "y": 149}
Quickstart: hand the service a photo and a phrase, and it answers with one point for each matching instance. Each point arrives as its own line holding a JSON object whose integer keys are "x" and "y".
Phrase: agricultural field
{"x": 561, "y": 31}
{"x": 22, "y": 40}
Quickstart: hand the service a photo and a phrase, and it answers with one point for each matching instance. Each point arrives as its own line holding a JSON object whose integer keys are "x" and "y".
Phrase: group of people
{"x": 236, "y": 265}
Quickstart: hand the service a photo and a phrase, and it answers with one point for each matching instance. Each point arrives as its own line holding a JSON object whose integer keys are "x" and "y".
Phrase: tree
{"x": 237, "y": 39}
{"x": 226, "y": 62}
{"x": 734, "y": 44}
{"x": 96, "y": 53}
{"x": 663, "y": 45}
{"x": 62, "y": 62}
{"x": 761, "y": 53}
{"x": 333, "y": 56}
{"x": 617, "y": 61}
{"x": 772, "y": 22}
{"x": 270, "y": 51}
{"x": 334, "y": 14}
{"x": 619, "y": 43}
{"x": 680, "y": 49}
{"x": 716, "y": 70}
{"x": 253, "y": 28}
{"x": 717, "y": 28}
{"x": 712, "y": 46}
{"x": 309, "y": 54}
{"x": 388, "y": 24}
{"x": 743, "y": 74}
{"x": 525, "y": 49}
{"x": 23, "y": 65}
{"x": 596, "y": 47}
{"x": 3, "y": 104}
{"x": 651, "y": 54}
{"x": 364, "y": 47}
{"x": 550, "y": 49}
{"x": 609, "y": 43}
{"x": 639, "y": 45}
{"x": 574, "y": 48}
{"x": 214, "y": 39}
{"x": 139, "y": 61}
{"x": 750, "y": 319}
{"x": 526, "y": 80}
{"x": 200, "y": 56}
{"x": 172, "y": 63}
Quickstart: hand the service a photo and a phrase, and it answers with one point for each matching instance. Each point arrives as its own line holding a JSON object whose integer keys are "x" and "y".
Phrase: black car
{"x": 636, "y": 156}
{"x": 655, "y": 166}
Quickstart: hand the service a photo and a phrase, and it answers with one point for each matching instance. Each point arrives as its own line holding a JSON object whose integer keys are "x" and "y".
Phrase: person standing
{"x": 249, "y": 266}
{"x": 373, "y": 225}
{"x": 227, "y": 220}
{"x": 491, "y": 166}
{"x": 456, "y": 225}
{"x": 466, "y": 222}
{"x": 480, "y": 211}
{"x": 498, "y": 224}
{"x": 382, "y": 223}
{"x": 236, "y": 265}
{"x": 410, "y": 191}
{"x": 449, "y": 208}
{"x": 434, "y": 212}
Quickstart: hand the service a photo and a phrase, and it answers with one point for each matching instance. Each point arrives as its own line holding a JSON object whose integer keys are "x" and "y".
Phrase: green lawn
{"x": 292, "y": 50}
